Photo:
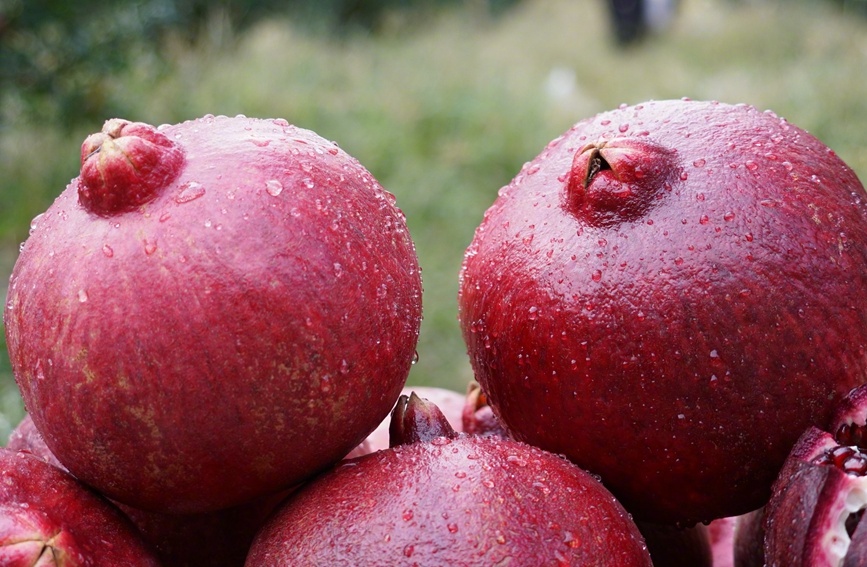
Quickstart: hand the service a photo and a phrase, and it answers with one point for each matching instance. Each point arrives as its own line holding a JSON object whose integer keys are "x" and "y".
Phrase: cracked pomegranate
{"x": 212, "y": 311}
{"x": 669, "y": 294}
{"x": 437, "y": 497}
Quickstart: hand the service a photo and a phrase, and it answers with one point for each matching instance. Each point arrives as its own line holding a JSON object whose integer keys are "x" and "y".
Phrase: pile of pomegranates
{"x": 665, "y": 312}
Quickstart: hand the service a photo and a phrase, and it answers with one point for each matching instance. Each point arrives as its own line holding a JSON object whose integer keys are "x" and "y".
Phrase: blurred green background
{"x": 442, "y": 101}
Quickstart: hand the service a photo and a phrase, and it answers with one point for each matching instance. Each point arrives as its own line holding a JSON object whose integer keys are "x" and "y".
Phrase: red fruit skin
{"x": 452, "y": 502}
{"x": 230, "y": 337}
{"x": 49, "y": 518}
{"x": 212, "y": 539}
{"x": 675, "y": 345}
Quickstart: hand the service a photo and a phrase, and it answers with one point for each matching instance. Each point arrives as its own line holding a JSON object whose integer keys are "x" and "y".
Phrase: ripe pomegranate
{"x": 815, "y": 515}
{"x": 669, "y": 294}
{"x": 437, "y": 497}
{"x": 212, "y": 311}
{"x": 212, "y": 539}
{"x": 49, "y": 518}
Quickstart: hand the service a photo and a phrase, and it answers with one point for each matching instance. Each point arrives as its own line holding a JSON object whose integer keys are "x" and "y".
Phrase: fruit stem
{"x": 416, "y": 420}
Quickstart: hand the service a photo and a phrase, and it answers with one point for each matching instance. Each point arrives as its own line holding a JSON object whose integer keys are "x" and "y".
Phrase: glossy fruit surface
{"x": 212, "y": 311}
{"x": 453, "y": 500}
{"x": 48, "y": 518}
{"x": 669, "y": 294}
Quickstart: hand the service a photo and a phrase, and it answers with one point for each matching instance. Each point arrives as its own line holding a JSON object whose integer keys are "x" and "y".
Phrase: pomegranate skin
{"x": 213, "y": 539}
{"x": 49, "y": 518}
{"x": 671, "y": 316}
{"x": 241, "y": 329}
{"x": 460, "y": 501}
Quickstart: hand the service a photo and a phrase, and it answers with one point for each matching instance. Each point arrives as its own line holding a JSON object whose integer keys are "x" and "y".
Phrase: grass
{"x": 444, "y": 114}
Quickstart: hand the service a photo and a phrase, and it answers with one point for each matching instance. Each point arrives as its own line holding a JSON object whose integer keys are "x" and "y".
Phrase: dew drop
{"x": 308, "y": 182}
{"x": 751, "y": 165}
{"x": 623, "y": 128}
{"x": 699, "y": 163}
{"x": 273, "y": 187}
{"x": 596, "y": 276}
{"x": 407, "y": 515}
{"x": 703, "y": 219}
{"x": 414, "y": 358}
{"x": 107, "y": 250}
{"x": 150, "y": 246}
{"x": 408, "y": 550}
{"x": 729, "y": 216}
{"x": 453, "y": 528}
{"x": 189, "y": 191}
{"x": 533, "y": 313}
{"x": 82, "y": 296}
{"x": 35, "y": 222}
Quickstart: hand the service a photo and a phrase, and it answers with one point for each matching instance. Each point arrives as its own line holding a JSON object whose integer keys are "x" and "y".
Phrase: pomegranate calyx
{"x": 126, "y": 165}
{"x": 416, "y": 420}
{"x": 618, "y": 180}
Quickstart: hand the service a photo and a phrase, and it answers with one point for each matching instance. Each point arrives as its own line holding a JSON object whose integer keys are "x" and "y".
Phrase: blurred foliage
{"x": 56, "y": 56}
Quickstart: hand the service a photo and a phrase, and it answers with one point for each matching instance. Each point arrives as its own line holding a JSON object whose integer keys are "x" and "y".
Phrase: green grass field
{"x": 445, "y": 113}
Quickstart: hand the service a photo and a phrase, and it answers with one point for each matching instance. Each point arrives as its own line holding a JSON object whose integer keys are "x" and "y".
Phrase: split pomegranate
{"x": 669, "y": 294}
{"x": 814, "y": 517}
{"x": 212, "y": 311}
{"x": 437, "y": 497}
{"x": 48, "y": 518}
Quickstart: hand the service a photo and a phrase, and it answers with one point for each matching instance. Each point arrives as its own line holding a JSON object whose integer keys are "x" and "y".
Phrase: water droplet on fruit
{"x": 699, "y": 163}
{"x": 596, "y": 276}
{"x": 623, "y": 128}
{"x": 408, "y": 550}
{"x": 82, "y": 296}
{"x": 501, "y": 539}
{"x": 533, "y": 313}
{"x": 150, "y": 246}
{"x": 344, "y": 367}
{"x": 35, "y": 222}
{"x": 308, "y": 182}
{"x": 729, "y": 216}
{"x": 788, "y": 166}
{"x": 189, "y": 191}
{"x": 751, "y": 165}
{"x": 414, "y": 358}
{"x": 273, "y": 187}
{"x": 453, "y": 528}
{"x": 107, "y": 250}
{"x": 703, "y": 219}
{"x": 407, "y": 515}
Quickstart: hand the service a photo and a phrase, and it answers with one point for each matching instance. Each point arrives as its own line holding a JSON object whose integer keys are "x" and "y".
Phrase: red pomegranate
{"x": 212, "y": 311}
{"x": 437, "y": 497}
{"x": 48, "y": 518}
{"x": 815, "y": 515}
{"x": 211, "y": 539}
{"x": 669, "y": 295}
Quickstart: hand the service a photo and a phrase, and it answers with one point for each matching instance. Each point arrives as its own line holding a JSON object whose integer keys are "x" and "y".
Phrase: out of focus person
{"x": 632, "y": 20}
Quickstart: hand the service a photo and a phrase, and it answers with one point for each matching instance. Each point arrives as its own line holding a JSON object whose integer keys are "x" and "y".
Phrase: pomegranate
{"x": 814, "y": 516}
{"x": 669, "y": 294}
{"x": 48, "y": 518}
{"x": 212, "y": 539}
{"x": 437, "y": 497}
{"x": 212, "y": 311}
